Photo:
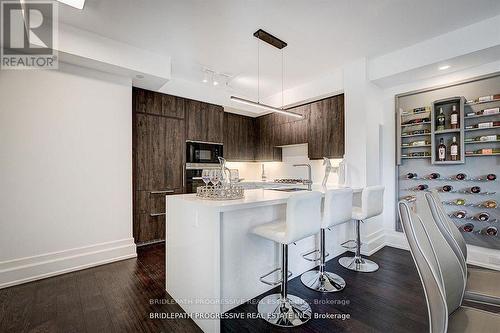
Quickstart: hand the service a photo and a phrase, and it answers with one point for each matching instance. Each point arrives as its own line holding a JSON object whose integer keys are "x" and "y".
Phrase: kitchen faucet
{"x": 309, "y": 181}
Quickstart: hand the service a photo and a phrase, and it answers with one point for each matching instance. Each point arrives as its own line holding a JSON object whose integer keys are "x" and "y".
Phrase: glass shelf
{"x": 480, "y": 155}
{"x": 404, "y": 147}
{"x": 482, "y": 128}
{"x": 450, "y": 130}
{"x": 479, "y": 142}
{"x": 417, "y": 124}
{"x": 483, "y": 102}
{"x": 481, "y": 116}
{"x": 414, "y": 135}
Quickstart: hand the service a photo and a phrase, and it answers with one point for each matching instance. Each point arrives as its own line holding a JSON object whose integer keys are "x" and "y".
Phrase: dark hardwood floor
{"x": 389, "y": 300}
{"x": 120, "y": 297}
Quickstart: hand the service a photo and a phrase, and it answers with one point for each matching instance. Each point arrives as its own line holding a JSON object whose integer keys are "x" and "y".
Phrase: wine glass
{"x": 215, "y": 177}
{"x": 205, "y": 176}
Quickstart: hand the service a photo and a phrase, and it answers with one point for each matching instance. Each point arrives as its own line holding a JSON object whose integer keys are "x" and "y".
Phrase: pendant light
{"x": 279, "y": 44}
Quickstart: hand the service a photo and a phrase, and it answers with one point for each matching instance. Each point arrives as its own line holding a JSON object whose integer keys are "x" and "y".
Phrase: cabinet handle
{"x": 183, "y": 177}
{"x": 161, "y": 192}
{"x": 157, "y": 214}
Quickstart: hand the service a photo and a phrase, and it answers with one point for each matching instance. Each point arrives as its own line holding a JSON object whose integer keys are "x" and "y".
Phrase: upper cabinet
{"x": 158, "y": 104}
{"x": 326, "y": 128}
{"x": 239, "y": 137}
{"x": 289, "y": 130}
{"x": 204, "y": 122}
{"x": 266, "y": 149}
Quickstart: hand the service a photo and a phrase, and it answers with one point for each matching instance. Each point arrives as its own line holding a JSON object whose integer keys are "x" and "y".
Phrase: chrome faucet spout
{"x": 308, "y": 182}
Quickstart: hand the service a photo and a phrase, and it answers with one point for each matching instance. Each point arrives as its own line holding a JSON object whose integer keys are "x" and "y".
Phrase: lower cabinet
{"x": 149, "y": 214}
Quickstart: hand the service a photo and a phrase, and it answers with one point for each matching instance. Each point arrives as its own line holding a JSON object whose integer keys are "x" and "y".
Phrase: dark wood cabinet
{"x": 266, "y": 149}
{"x": 289, "y": 130}
{"x": 149, "y": 215}
{"x": 204, "y": 122}
{"x": 159, "y": 156}
{"x": 151, "y": 102}
{"x": 158, "y": 159}
{"x": 326, "y": 128}
{"x": 239, "y": 137}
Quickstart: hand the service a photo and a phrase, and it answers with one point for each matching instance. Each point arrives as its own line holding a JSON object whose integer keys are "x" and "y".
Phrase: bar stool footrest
{"x": 273, "y": 283}
{"x": 350, "y": 244}
{"x": 315, "y": 251}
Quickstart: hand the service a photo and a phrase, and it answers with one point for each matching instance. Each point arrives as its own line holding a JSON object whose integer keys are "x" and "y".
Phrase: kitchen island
{"x": 213, "y": 261}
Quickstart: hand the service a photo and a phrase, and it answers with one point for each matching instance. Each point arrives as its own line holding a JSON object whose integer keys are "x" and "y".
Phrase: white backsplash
{"x": 295, "y": 154}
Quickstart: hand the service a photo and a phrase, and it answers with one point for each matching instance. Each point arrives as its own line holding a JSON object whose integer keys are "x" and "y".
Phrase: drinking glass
{"x": 215, "y": 177}
{"x": 205, "y": 176}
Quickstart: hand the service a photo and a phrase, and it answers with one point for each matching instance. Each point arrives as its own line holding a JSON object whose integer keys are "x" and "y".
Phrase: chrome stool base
{"x": 290, "y": 312}
{"x": 358, "y": 264}
{"x": 327, "y": 282}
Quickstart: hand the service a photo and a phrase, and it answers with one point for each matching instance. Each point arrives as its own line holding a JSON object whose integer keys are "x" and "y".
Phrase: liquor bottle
{"x": 460, "y": 214}
{"x": 460, "y": 176}
{"x": 447, "y": 188}
{"x": 440, "y": 120}
{"x": 421, "y": 187}
{"x": 468, "y": 227}
{"x": 434, "y": 175}
{"x": 483, "y": 216}
{"x": 474, "y": 189}
{"x": 489, "y": 231}
{"x": 441, "y": 150}
{"x": 454, "y": 149}
{"x": 454, "y": 117}
{"x": 411, "y": 175}
{"x": 489, "y": 204}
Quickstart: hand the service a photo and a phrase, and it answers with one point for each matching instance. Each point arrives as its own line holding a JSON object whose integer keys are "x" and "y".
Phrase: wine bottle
{"x": 489, "y": 231}
{"x": 474, "y": 189}
{"x": 440, "y": 120}
{"x": 468, "y": 227}
{"x": 460, "y": 214}
{"x": 489, "y": 177}
{"x": 454, "y": 149}
{"x": 459, "y": 202}
{"x": 489, "y": 204}
{"x": 454, "y": 117}
{"x": 441, "y": 150}
{"x": 460, "y": 176}
{"x": 447, "y": 188}
{"x": 483, "y": 216}
{"x": 421, "y": 187}
{"x": 434, "y": 175}
{"x": 411, "y": 175}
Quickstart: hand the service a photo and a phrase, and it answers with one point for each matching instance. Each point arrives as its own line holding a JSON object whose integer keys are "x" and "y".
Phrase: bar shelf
{"x": 482, "y": 128}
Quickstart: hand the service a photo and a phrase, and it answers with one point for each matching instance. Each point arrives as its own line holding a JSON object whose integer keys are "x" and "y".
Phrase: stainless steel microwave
{"x": 203, "y": 152}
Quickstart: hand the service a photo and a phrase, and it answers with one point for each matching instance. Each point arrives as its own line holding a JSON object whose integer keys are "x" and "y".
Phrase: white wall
{"x": 65, "y": 171}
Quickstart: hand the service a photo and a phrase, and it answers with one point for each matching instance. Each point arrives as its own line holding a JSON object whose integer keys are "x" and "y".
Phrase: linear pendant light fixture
{"x": 279, "y": 44}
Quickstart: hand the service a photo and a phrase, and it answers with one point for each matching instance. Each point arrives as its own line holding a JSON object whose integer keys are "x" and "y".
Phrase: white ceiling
{"x": 321, "y": 35}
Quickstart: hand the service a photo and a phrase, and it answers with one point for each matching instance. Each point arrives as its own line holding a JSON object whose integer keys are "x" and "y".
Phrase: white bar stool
{"x": 372, "y": 204}
{"x": 337, "y": 209}
{"x": 303, "y": 218}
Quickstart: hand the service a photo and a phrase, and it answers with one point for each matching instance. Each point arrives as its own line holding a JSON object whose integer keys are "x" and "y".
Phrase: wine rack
{"x": 477, "y": 136}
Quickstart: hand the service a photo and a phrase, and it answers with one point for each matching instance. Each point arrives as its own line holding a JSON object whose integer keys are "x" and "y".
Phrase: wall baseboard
{"x": 22, "y": 270}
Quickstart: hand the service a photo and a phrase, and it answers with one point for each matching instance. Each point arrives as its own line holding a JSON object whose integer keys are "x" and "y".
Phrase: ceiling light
{"x": 205, "y": 76}
{"x": 265, "y": 107}
{"x": 442, "y": 68}
{"x": 279, "y": 44}
{"x": 74, "y": 3}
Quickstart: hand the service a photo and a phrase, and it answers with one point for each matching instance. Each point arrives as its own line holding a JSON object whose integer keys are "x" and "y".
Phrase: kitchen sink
{"x": 288, "y": 189}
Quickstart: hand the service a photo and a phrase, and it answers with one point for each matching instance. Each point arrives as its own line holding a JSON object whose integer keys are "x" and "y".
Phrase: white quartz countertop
{"x": 253, "y": 198}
